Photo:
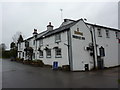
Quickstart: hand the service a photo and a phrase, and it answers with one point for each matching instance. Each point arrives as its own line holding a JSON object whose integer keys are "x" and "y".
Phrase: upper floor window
{"x": 58, "y": 53}
{"x": 117, "y": 36}
{"x": 78, "y": 29}
{"x": 41, "y": 42}
{"x": 99, "y": 33}
{"x": 48, "y": 53}
{"x": 107, "y": 34}
{"x": 33, "y": 42}
{"x": 40, "y": 53}
{"x": 19, "y": 45}
{"x": 57, "y": 37}
{"x": 26, "y": 44}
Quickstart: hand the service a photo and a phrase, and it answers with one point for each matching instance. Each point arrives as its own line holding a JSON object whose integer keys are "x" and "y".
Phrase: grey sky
{"x": 24, "y": 17}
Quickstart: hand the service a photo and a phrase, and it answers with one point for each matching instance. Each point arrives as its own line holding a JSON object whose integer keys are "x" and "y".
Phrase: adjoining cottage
{"x": 81, "y": 45}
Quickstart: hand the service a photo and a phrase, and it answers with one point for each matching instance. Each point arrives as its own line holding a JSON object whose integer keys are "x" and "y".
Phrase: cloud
{"x": 25, "y": 17}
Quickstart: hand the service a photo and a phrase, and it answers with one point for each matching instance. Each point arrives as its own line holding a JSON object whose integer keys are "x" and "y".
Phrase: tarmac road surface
{"x": 18, "y": 75}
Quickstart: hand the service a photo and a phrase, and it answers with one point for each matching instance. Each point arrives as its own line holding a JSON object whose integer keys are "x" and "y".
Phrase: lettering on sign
{"x": 78, "y": 33}
{"x": 78, "y": 37}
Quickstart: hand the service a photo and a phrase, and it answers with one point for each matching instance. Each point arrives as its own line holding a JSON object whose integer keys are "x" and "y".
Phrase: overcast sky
{"x": 25, "y": 16}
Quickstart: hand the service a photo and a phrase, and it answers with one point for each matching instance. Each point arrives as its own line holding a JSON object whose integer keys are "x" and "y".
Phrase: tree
{"x": 2, "y": 47}
{"x": 12, "y": 45}
{"x": 17, "y": 38}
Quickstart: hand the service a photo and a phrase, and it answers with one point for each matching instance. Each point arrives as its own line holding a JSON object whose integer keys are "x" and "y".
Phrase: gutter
{"x": 69, "y": 49}
{"x": 93, "y": 48}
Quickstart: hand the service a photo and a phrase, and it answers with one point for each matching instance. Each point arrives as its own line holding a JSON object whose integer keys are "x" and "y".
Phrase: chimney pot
{"x": 50, "y": 27}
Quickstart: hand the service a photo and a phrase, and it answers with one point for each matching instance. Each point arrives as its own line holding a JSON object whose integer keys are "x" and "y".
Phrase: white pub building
{"x": 81, "y": 45}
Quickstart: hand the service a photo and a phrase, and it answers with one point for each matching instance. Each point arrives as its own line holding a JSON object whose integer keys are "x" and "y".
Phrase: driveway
{"x": 18, "y": 75}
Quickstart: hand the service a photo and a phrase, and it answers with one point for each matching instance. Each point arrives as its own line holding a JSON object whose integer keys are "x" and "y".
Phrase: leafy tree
{"x": 17, "y": 38}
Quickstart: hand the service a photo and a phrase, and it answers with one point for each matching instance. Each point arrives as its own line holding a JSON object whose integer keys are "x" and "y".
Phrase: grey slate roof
{"x": 102, "y": 26}
{"x": 60, "y": 29}
{"x": 47, "y": 33}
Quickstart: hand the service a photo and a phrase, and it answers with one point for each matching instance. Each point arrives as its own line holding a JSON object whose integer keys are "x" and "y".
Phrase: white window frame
{"x": 40, "y": 54}
{"x": 19, "y": 45}
{"x": 58, "y": 37}
{"x": 48, "y": 53}
{"x": 33, "y": 55}
{"x": 33, "y": 42}
{"x": 41, "y": 42}
{"x": 23, "y": 54}
{"x": 58, "y": 53}
{"x": 117, "y": 34}
{"x": 99, "y": 32}
{"x": 107, "y": 33}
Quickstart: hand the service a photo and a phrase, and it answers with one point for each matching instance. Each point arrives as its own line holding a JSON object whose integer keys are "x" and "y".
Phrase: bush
{"x": 49, "y": 66}
{"x": 38, "y": 63}
{"x": 66, "y": 67}
{"x": 27, "y": 62}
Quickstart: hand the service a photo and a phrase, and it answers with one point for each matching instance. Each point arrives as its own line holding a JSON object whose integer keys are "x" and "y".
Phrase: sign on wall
{"x": 78, "y": 33}
{"x": 80, "y": 37}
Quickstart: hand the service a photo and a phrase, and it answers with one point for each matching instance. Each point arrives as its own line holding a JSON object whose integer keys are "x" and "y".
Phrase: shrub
{"x": 38, "y": 63}
{"x": 27, "y": 62}
{"x": 66, "y": 67}
{"x": 49, "y": 66}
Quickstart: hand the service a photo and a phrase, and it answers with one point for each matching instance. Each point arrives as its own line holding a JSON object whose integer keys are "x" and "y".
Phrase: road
{"x": 18, "y": 75}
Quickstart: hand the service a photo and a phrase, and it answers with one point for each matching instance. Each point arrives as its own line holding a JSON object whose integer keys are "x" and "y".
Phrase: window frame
{"x": 117, "y": 34}
{"x": 41, "y": 42}
{"x": 33, "y": 55}
{"x": 56, "y": 53}
{"x": 48, "y": 56}
{"x": 40, "y": 54}
{"x": 58, "y": 37}
{"x": 20, "y": 45}
{"x": 23, "y": 54}
{"x": 99, "y": 32}
{"x": 107, "y": 33}
{"x": 33, "y": 42}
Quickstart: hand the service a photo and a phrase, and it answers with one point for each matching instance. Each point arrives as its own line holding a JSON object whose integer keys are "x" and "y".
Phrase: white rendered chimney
{"x": 50, "y": 27}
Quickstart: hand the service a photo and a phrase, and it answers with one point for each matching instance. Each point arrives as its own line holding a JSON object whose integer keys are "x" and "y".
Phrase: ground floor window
{"x": 41, "y": 54}
{"x": 33, "y": 55}
{"x": 58, "y": 53}
{"x": 19, "y": 54}
{"x": 23, "y": 54}
{"x": 48, "y": 53}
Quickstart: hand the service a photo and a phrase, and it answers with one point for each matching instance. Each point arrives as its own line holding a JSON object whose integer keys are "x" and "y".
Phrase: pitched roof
{"x": 60, "y": 29}
{"x": 100, "y": 26}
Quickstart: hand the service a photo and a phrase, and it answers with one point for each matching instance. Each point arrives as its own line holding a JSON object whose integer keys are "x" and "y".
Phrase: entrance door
{"x": 100, "y": 63}
{"x": 86, "y": 67}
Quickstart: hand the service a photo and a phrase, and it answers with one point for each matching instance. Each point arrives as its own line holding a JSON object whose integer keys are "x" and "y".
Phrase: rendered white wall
{"x": 81, "y": 56}
{"x": 110, "y": 45}
{"x": 51, "y": 42}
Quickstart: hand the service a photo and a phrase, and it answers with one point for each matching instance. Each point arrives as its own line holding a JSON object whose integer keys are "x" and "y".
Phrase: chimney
{"x": 50, "y": 27}
{"x": 35, "y": 32}
{"x": 66, "y": 21}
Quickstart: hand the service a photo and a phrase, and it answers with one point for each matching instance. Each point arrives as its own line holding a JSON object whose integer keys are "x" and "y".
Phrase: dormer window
{"x": 107, "y": 34}
{"x": 99, "y": 33}
{"x": 57, "y": 37}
